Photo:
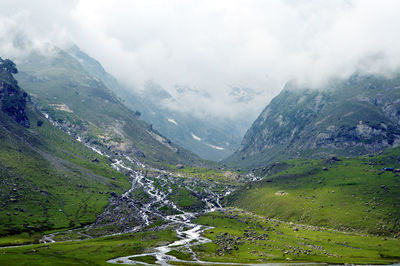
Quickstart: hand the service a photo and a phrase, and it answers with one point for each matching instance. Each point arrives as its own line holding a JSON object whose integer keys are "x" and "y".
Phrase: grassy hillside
{"x": 83, "y": 104}
{"x": 341, "y": 193}
{"x": 48, "y": 180}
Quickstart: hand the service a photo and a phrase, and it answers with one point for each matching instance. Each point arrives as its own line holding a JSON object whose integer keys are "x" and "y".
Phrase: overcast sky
{"x": 212, "y": 46}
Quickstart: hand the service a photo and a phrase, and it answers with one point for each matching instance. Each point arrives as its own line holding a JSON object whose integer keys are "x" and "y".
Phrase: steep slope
{"x": 353, "y": 117}
{"x": 48, "y": 180}
{"x": 210, "y": 138}
{"x": 349, "y": 194}
{"x": 12, "y": 97}
{"x": 82, "y": 103}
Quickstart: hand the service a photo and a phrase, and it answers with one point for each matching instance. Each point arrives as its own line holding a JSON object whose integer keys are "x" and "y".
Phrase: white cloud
{"x": 212, "y": 46}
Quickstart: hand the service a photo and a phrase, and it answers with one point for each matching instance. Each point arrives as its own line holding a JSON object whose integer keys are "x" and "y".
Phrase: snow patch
{"x": 196, "y": 137}
{"x": 172, "y": 121}
{"x": 216, "y": 147}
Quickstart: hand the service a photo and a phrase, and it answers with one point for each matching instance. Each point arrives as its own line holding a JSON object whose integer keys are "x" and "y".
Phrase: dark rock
{"x": 95, "y": 160}
{"x": 385, "y": 188}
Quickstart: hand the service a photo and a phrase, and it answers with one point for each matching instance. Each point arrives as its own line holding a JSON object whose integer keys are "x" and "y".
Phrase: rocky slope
{"x": 352, "y": 117}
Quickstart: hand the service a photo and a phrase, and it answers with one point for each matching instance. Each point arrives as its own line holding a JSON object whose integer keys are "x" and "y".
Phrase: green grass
{"x": 48, "y": 180}
{"x": 147, "y": 259}
{"x": 207, "y": 174}
{"x": 352, "y": 194}
{"x": 185, "y": 199}
{"x": 20, "y": 239}
{"x": 86, "y": 252}
{"x": 179, "y": 255}
{"x": 242, "y": 237}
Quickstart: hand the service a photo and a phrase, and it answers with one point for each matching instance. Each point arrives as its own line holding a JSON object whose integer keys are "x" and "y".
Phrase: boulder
{"x": 179, "y": 166}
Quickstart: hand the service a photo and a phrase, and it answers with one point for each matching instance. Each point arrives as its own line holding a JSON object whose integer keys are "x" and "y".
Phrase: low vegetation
{"x": 242, "y": 237}
{"x": 352, "y": 194}
{"x": 86, "y": 252}
{"x": 49, "y": 180}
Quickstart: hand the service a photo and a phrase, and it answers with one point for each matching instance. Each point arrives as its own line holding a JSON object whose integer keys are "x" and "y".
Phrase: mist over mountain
{"x": 356, "y": 116}
{"x": 212, "y": 48}
{"x": 210, "y": 137}
{"x": 189, "y": 132}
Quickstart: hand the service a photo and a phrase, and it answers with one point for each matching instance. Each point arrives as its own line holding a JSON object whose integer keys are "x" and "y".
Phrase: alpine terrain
{"x": 163, "y": 160}
{"x": 349, "y": 117}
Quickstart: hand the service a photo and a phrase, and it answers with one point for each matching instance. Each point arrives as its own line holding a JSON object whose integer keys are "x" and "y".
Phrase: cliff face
{"x": 12, "y": 97}
{"x": 358, "y": 116}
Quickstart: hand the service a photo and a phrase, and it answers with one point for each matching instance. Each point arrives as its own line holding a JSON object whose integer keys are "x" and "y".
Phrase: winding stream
{"x": 189, "y": 233}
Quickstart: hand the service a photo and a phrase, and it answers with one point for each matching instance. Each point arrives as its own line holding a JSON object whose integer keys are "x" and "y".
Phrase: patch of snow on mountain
{"x": 172, "y": 121}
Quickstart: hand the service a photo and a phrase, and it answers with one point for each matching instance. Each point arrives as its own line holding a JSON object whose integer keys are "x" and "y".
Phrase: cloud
{"x": 214, "y": 46}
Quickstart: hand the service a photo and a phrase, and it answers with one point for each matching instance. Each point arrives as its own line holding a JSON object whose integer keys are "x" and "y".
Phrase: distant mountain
{"x": 84, "y": 106}
{"x": 356, "y": 116}
{"x": 48, "y": 180}
{"x": 208, "y": 137}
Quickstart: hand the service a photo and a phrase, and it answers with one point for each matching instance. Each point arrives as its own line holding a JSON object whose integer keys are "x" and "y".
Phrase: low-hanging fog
{"x": 213, "y": 46}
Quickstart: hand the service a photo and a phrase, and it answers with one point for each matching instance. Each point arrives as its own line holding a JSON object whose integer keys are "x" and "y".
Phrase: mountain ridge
{"x": 351, "y": 117}
{"x": 82, "y": 103}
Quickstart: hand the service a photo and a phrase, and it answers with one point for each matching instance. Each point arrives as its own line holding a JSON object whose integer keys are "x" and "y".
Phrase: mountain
{"x": 81, "y": 103}
{"x": 349, "y": 117}
{"x": 48, "y": 180}
{"x": 208, "y": 137}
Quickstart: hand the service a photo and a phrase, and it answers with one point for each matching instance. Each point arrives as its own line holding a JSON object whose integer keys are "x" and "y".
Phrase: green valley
{"x": 235, "y": 133}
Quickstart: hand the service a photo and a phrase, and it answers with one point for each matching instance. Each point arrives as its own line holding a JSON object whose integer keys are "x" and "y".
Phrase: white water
{"x": 189, "y": 233}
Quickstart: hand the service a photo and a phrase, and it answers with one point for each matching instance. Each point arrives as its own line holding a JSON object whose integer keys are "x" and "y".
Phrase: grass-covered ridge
{"x": 82, "y": 104}
{"x": 49, "y": 180}
{"x": 341, "y": 193}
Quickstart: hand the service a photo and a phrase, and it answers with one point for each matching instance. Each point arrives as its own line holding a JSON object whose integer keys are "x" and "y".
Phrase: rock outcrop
{"x": 12, "y": 97}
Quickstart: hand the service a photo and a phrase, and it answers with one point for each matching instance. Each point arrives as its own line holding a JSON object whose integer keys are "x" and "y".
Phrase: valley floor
{"x": 237, "y": 237}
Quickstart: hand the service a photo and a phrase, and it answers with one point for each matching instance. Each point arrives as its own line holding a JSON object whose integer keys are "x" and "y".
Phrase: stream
{"x": 189, "y": 233}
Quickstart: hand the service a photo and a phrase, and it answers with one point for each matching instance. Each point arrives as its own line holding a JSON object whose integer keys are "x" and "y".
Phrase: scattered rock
{"x": 385, "y": 188}
{"x": 179, "y": 166}
{"x": 281, "y": 193}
